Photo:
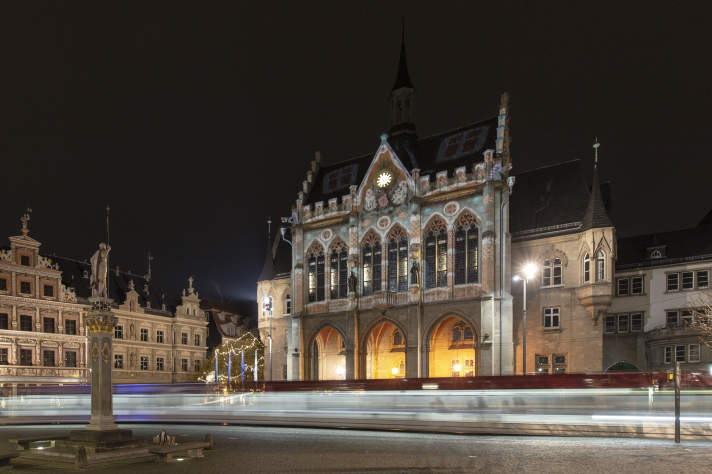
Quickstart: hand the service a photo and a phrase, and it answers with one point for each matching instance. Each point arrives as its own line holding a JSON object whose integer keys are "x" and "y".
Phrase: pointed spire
{"x": 403, "y": 78}
{"x": 596, "y": 215}
{"x": 268, "y": 267}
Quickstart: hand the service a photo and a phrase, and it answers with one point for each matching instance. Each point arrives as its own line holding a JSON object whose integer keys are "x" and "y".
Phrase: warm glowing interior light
{"x": 516, "y": 278}
{"x": 340, "y": 370}
{"x": 457, "y": 367}
{"x": 394, "y": 370}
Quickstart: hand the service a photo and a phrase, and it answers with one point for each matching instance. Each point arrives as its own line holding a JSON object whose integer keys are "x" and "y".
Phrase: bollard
{"x": 209, "y": 439}
{"x": 677, "y": 402}
{"x": 81, "y": 457}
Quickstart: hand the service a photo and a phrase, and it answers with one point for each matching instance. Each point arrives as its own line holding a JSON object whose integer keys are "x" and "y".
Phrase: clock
{"x": 384, "y": 179}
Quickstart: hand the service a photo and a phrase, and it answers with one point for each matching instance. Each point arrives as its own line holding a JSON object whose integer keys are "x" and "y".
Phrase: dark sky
{"x": 197, "y": 120}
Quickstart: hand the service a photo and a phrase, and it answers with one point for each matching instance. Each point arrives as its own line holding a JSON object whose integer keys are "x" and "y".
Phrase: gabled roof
{"x": 448, "y": 150}
{"x": 596, "y": 215}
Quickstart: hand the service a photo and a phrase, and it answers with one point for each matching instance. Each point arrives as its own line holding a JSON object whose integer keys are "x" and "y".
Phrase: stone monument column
{"x": 100, "y": 324}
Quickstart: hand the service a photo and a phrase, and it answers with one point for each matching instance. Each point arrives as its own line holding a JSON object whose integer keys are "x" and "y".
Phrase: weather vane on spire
{"x": 595, "y": 151}
{"x": 25, "y": 220}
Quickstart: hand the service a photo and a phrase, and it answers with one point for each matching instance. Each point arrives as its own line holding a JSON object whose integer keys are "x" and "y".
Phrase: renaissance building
{"x": 43, "y": 331}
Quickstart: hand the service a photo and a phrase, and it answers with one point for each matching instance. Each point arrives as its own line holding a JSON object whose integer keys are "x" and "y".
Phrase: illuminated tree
{"x": 703, "y": 322}
{"x": 247, "y": 344}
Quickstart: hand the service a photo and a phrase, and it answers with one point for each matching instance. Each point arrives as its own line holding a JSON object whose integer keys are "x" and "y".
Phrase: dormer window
{"x": 25, "y": 260}
{"x": 656, "y": 252}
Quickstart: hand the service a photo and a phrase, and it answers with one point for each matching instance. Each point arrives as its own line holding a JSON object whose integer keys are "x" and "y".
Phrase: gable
{"x": 385, "y": 161}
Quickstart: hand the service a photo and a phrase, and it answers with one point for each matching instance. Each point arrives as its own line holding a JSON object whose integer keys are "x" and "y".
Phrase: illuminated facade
{"x": 43, "y": 307}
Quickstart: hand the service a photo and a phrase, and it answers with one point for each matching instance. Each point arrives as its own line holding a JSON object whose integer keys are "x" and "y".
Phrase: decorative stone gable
{"x": 190, "y": 307}
{"x": 131, "y": 303}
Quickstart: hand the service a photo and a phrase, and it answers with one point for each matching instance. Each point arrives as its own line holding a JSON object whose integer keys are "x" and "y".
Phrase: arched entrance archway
{"x": 452, "y": 349}
{"x": 385, "y": 352}
{"x": 328, "y": 360}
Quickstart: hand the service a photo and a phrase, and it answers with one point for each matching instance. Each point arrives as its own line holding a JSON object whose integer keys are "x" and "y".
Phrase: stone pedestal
{"x": 100, "y": 323}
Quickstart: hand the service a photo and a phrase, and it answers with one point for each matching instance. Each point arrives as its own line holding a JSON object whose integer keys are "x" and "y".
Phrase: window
{"x": 184, "y": 338}
{"x": 398, "y": 260}
{"x": 467, "y": 334}
{"x": 600, "y": 266}
{"x": 686, "y": 316}
{"x": 610, "y": 324}
{"x": 144, "y": 363}
{"x": 184, "y": 365}
{"x": 636, "y": 322}
{"x": 466, "y": 250}
{"x": 693, "y": 354}
{"x": 622, "y": 323}
{"x": 623, "y": 287}
{"x": 197, "y": 339}
{"x": 551, "y": 317}
{"x": 316, "y": 273}
{"x": 558, "y": 364}
{"x": 702, "y": 279}
{"x": 159, "y": 363}
{"x": 48, "y": 324}
{"x": 159, "y": 337}
{"x": 70, "y": 326}
{"x": 3, "y": 284}
{"x": 338, "y": 275}
{"x": 25, "y": 356}
{"x": 25, "y": 323}
{"x": 667, "y": 354}
{"x": 48, "y": 358}
{"x": 673, "y": 282}
{"x": 144, "y": 334}
{"x": 671, "y": 319}
{"x": 636, "y": 285}
{"x": 70, "y": 359}
{"x": 456, "y": 334}
{"x": 4, "y": 321}
{"x": 3, "y": 356}
{"x": 196, "y": 365}
{"x": 118, "y": 332}
{"x": 25, "y": 287}
{"x": 688, "y": 280}
{"x": 586, "y": 268}
{"x": 680, "y": 353}
{"x": 118, "y": 361}
{"x": 25, "y": 260}
{"x": 436, "y": 255}
{"x": 371, "y": 257}
{"x": 455, "y": 367}
{"x": 48, "y": 290}
{"x": 469, "y": 367}
{"x": 551, "y": 272}
{"x": 288, "y": 305}
{"x": 541, "y": 364}
{"x": 397, "y": 338}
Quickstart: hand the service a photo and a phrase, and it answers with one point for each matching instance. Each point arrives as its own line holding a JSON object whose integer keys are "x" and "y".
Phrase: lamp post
{"x": 529, "y": 271}
{"x": 267, "y": 301}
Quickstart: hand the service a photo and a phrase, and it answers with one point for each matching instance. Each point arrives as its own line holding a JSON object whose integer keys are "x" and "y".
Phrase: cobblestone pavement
{"x": 257, "y": 449}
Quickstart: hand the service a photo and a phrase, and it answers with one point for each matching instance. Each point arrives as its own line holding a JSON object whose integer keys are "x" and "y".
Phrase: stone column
{"x": 100, "y": 323}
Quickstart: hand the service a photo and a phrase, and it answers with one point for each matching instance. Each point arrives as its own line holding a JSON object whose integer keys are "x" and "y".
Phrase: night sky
{"x": 197, "y": 120}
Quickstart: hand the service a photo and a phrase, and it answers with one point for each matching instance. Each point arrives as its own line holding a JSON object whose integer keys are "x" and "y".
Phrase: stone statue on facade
{"x": 353, "y": 282}
{"x": 99, "y": 272}
{"x": 414, "y": 273}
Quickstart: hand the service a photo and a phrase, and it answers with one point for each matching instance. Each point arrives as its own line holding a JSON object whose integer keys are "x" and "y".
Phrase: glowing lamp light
{"x": 457, "y": 367}
{"x": 340, "y": 370}
{"x": 394, "y": 370}
{"x": 265, "y": 300}
{"x": 529, "y": 270}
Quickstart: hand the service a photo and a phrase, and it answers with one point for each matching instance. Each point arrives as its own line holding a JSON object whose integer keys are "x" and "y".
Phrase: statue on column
{"x": 353, "y": 282}
{"x": 99, "y": 272}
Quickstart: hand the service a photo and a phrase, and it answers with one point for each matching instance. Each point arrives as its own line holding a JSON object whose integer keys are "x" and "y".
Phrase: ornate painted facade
{"x": 43, "y": 327}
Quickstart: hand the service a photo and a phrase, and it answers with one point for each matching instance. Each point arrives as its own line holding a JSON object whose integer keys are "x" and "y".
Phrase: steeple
{"x": 402, "y": 99}
{"x": 268, "y": 267}
{"x": 596, "y": 215}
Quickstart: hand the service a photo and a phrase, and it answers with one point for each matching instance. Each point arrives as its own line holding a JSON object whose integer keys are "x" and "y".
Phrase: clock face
{"x": 384, "y": 179}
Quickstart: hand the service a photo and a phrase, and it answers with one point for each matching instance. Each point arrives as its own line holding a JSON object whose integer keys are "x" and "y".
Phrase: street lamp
{"x": 529, "y": 270}
{"x": 267, "y": 305}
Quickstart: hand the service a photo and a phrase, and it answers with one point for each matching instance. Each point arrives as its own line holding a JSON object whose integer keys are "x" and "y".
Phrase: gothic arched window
{"x": 397, "y": 338}
{"x": 551, "y": 272}
{"x": 466, "y": 254}
{"x": 315, "y": 262}
{"x": 397, "y": 259}
{"x": 600, "y": 265}
{"x": 288, "y": 304}
{"x": 371, "y": 263}
{"x": 338, "y": 275}
{"x": 467, "y": 334}
{"x": 586, "y": 268}
{"x": 436, "y": 253}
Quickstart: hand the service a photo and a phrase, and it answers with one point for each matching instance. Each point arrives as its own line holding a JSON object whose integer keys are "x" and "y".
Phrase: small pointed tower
{"x": 596, "y": 215}
{"x": 402, "y": 98}
{"x": 268, "y": 267}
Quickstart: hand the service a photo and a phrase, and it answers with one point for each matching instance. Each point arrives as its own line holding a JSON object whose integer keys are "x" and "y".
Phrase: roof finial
{"x": 25, "y": 220}
{"x": 595, "y": 152}
{"x": 269, "y": 228}
{"x": 149, "y": 257}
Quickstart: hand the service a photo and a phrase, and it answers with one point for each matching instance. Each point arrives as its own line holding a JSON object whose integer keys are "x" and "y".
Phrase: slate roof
{"x": 679, "y": 246}
{"x": 555, "y": 200}
{"x": 429, "y": 154}
{"x": 278, "y": 258}
{"x": 73, "y": 272}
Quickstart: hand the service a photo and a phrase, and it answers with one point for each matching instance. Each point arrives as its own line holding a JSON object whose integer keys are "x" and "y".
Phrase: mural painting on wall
{"x": 451, "y": 208}
{"x": 375, "y": 199}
